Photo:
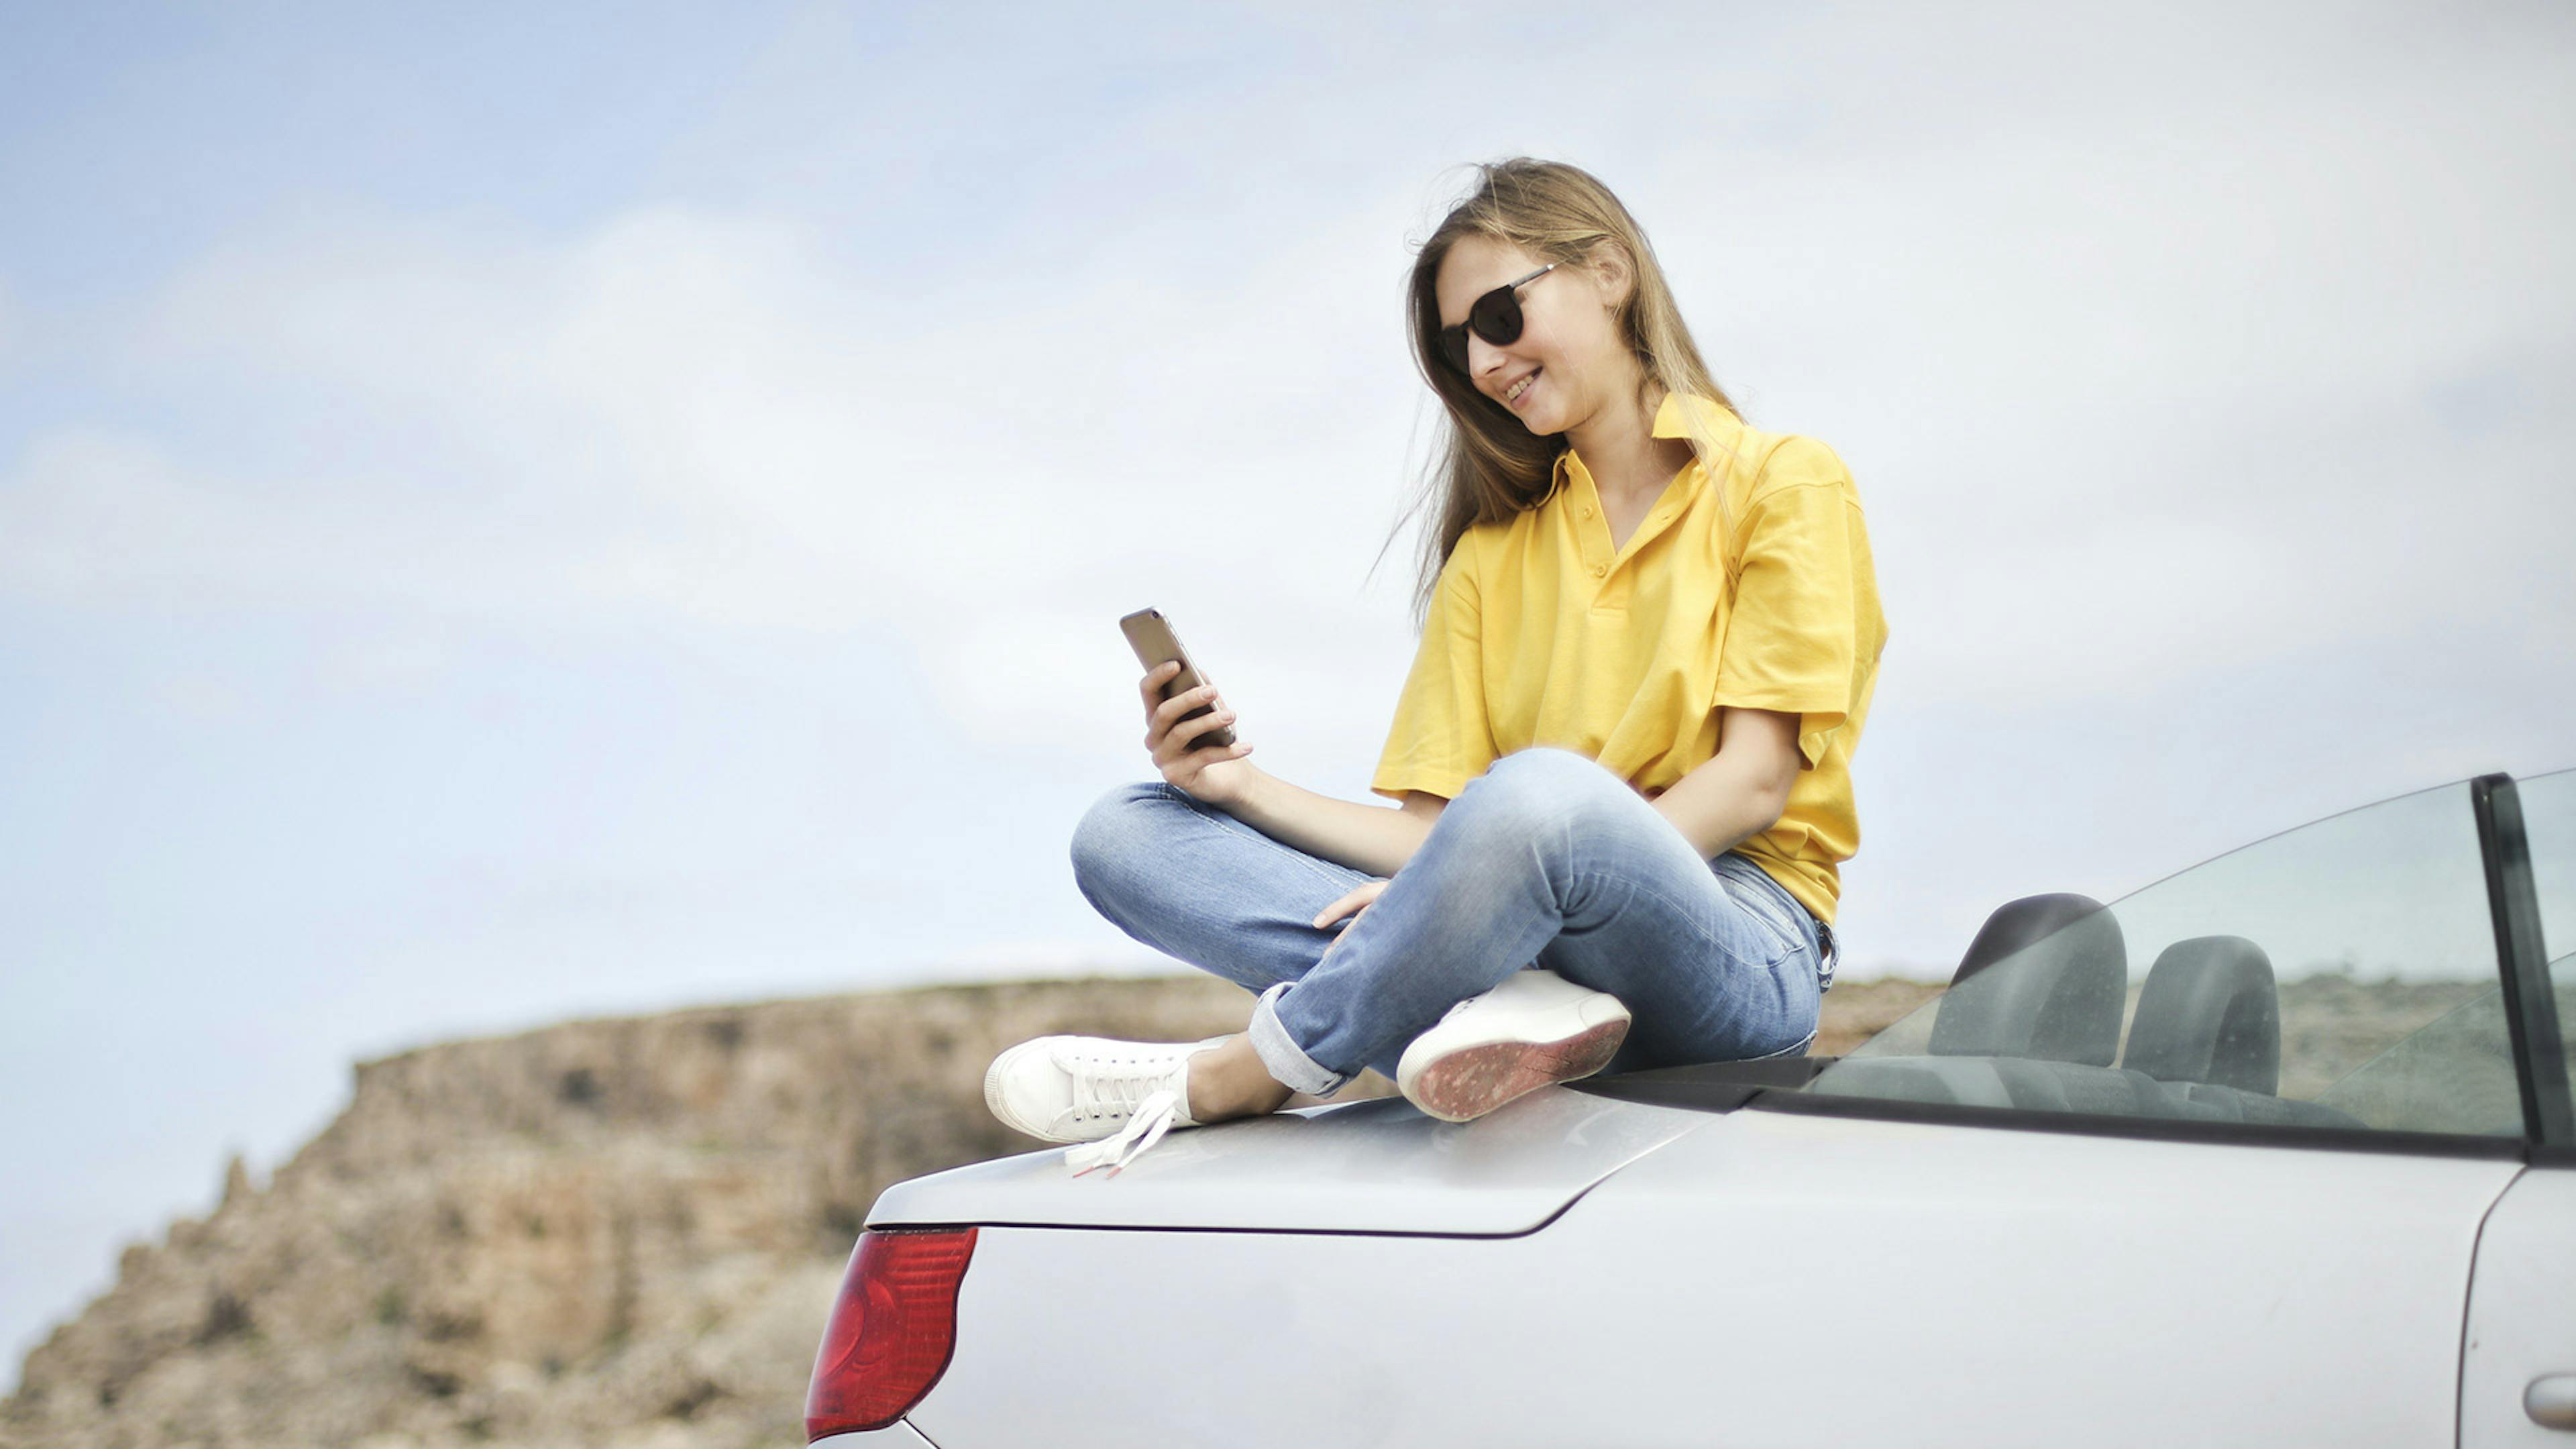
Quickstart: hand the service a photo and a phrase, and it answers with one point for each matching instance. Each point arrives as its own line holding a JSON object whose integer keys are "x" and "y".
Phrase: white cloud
{"x": 2132, "y": 369}
{"x": 697, "y": 414}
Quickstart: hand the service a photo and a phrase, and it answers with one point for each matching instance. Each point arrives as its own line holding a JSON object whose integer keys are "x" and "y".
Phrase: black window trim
{"x": 1771, "y": 1085}
{"x": 2154, "y": 1129}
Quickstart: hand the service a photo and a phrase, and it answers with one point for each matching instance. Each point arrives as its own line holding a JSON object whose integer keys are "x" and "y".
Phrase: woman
{"x": 1622, "y": 756}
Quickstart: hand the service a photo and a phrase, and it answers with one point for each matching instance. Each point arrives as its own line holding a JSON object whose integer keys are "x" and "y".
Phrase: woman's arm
{"x": 1741, "y": 790}
{"x": 1373, "y": 838}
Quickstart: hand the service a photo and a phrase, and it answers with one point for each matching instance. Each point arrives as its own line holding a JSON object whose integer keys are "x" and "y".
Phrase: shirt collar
{"x": 1670, "y": 422}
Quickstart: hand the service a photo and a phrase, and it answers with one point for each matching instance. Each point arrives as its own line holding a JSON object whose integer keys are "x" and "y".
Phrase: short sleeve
{"x": 1441, "y": 738}
{"x": 1793, "y": 638}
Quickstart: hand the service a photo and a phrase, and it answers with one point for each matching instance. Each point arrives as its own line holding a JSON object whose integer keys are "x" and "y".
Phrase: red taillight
{"x": 892, "y": 1330}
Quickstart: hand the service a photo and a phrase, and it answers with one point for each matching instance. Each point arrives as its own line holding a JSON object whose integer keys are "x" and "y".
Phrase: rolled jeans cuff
{"x": 1287, "y": 1062}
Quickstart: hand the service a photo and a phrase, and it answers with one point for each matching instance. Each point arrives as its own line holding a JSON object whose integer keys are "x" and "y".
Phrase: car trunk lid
{"x": 1378, "y": 1166}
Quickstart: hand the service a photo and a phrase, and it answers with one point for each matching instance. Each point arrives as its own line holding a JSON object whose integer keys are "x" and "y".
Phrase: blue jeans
{"x": 1546, "y": 859}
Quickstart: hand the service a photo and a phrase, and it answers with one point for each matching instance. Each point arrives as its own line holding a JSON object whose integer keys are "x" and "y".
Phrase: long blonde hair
{"x": 1488, "y": 466}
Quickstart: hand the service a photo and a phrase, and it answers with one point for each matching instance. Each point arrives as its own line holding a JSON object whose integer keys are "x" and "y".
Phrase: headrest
{"x": 2045, "y": 978}
{"x": 2209, "y": 1013}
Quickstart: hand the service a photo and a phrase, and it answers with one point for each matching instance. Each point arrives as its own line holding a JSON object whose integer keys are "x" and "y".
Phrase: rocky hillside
{"x": 617, "y": 1232}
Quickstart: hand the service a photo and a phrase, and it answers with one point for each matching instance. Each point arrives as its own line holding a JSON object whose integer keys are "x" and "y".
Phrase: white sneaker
{"x": 1086, "y": 1088}
{"x": 1533, "y": 1029}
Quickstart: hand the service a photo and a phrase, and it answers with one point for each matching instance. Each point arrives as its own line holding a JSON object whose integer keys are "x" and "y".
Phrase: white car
{"x": 2276, "y": 1151}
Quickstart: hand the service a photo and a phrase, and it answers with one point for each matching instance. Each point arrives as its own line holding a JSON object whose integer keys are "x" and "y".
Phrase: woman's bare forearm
{"x": 1740, "y": 791}
{"x": 1378, "y": 839}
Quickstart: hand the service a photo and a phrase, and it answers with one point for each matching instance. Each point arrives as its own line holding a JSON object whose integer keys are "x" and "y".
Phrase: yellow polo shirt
{"x": 1540, "y": 633}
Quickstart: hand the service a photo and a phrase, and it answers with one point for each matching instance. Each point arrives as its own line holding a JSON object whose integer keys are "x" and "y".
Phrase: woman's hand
{"x": 1352, "y": 905}
{"x": 1207, "y": 773}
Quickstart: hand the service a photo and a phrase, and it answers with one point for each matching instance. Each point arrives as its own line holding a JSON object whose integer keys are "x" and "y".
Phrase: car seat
{"x": 2044, "y": 979}
{"x": 2209, "y": 1013}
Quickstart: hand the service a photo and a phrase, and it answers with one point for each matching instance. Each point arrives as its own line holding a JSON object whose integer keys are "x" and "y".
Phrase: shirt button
{"x": 1587, "y": 512}
{"x": 1599, "y": 569}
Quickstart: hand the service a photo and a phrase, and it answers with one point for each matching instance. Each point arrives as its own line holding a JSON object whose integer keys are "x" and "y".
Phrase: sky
{"x": 515, "y": 513}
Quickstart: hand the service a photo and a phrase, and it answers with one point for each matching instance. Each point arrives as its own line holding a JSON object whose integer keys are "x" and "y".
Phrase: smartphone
{"x": 1151, "y": 636}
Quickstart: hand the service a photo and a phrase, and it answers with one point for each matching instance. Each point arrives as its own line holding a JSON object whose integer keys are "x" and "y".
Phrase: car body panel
{"x": 1774, "y": 1278}
{"x": 2522, "y": 1312}
{"x": 1377, "y": 1166}
{"x": 2175, "y": 1219}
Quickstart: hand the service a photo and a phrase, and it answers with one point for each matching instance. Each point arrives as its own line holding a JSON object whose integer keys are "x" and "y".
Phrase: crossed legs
{"x": 1546, "y": 859}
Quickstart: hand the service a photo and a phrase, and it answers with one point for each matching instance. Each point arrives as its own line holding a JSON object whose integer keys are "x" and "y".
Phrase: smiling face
{"x": 1568, "y": 364}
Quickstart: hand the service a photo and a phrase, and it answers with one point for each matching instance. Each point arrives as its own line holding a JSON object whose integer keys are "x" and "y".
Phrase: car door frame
{"x": 2513, "y": 1323}
{"x": 2530, "y": 1007}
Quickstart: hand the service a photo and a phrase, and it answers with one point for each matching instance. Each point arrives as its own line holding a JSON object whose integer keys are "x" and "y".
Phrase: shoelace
{"x": 1146, "y": 1124}
{"x": 1147, "y": 1090}
{"x": 1113, "y": 1080}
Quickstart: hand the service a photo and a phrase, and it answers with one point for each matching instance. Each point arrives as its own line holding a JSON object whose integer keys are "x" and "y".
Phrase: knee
{"x": 1113, "y": 834}
{"x": 1552, "y": 763}
{"x": 1530, "y": 790}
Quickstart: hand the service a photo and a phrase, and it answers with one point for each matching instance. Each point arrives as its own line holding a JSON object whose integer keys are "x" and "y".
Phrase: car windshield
{"x": 2341, "y": 975}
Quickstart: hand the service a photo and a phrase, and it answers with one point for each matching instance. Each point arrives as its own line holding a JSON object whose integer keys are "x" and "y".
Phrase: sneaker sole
{"x": 1472, "y": 1081}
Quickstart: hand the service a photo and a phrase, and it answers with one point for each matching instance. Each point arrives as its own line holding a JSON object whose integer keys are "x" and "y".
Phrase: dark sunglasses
{"x": 1496, "y": 316}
